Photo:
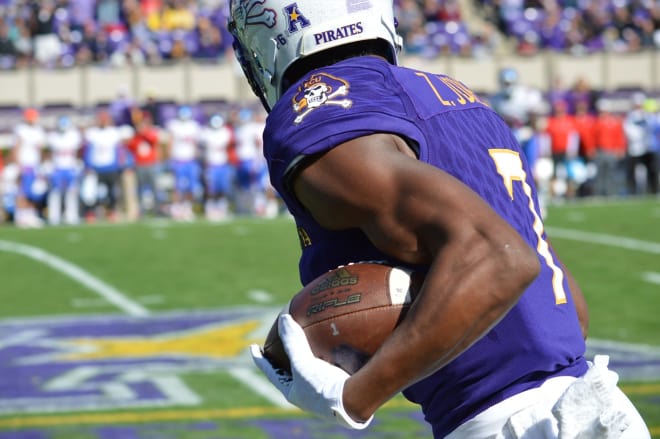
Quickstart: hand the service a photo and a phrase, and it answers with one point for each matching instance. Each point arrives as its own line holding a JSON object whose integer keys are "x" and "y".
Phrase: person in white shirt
{"x": 217, "y": 139}
{"x": 183, "y": 151}
{"x": 254, "y": 193}
{"x": 64, "y": 144}
{"x": 104, "y": 159}
{"x": 639, "y": 126}
{"x": 29, "y": 141}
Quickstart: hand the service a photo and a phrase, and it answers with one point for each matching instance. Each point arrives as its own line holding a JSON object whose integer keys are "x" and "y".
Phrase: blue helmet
{"x": 185, "y": 112}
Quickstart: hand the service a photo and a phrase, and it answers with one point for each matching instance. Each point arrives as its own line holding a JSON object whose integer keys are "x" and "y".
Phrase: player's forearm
{"x": 459, "y": 303}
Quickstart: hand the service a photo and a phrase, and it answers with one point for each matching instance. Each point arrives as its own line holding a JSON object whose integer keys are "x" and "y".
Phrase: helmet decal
{"x": 270, "y": 36}
{"x": 254, "y": 12}
{"x": 358, "y": 5}
{"x": 319, "y": 90}
{"x": 295, "y": 18}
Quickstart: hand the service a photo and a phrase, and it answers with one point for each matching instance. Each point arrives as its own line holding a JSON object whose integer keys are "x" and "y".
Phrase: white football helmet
{"x": 269, "y": 35}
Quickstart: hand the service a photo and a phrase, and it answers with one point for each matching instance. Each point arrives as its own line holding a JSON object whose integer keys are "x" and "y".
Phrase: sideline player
{"x": 29, "y": 143}
{"x": 183, "y": 153}
{"x": 64, "y": 143}
{"x": 217, "y": 139}
{"x": 381, "y": 162}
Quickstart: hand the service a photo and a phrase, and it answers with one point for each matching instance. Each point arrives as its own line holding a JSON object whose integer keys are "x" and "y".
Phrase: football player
{"x": 64, "y": 143}
{"x": 104, "y": 161}
{"x": 29, "y": 143}
{"x": 381, "y": 162}
{"x": 183, "y": 152}
{"x": 217, "y": 139}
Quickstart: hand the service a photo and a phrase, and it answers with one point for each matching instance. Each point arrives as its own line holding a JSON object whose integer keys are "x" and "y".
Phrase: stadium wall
{"x": 191, "y": 82}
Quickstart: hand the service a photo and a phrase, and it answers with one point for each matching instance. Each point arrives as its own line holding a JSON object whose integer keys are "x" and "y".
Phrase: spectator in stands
{"x": 8, "y": 51}
{"x": 177, "y": 49}
{"x": 145, "y": 145}
{"x": 64, "y": 144}
{"x": 95, "y": 46}
{"x": 22, "y": 41}
{"x": 29, "y": 142}
{"x": 640, "y": 126}
{"x": 552, "y": 35}
{"x": 411, "y": 20}
{"x": 178, "y": 15}
{"x": 610, "y": 151}
{"x": 183, "y": 153}
{"x": 209, "y": 37}
{"x": 108, "y": 15}
{"x": 217, "y": 141}
{"x": 47, "y": 45}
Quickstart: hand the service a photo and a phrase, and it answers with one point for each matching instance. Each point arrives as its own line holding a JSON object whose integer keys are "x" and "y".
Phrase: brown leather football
{"x": 348, "y": 312}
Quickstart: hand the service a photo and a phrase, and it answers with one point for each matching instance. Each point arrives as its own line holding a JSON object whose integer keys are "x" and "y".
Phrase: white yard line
{"x": 108, "y": 292}
{"x": 651, "y": 277}
{"x": 610, "y": 240}
{"x": 246, "y": 375}
{"x": 260, "y": 385}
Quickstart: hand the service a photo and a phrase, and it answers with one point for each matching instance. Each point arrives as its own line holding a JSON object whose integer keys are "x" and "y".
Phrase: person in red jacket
{"x": 146, "y": 149}
{"x": 564, "y": 143}
{"x": 585, "y": 122}
{"x": 610, "y": 151}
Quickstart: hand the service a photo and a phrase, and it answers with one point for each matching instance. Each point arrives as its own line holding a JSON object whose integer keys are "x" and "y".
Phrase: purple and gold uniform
{"x": 451, "y": 129}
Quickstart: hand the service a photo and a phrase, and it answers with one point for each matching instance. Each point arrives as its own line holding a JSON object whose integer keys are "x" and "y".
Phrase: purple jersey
{"x": 450, "y": 128}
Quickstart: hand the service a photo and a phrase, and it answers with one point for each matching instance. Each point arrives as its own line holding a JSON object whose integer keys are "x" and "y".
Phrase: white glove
{"x": 586, "y": 409}
{"x": 314, "y": 385}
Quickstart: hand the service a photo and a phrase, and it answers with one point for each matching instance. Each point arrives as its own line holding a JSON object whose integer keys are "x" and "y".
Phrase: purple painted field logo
{"x": 52, "y": 365}
{"x": 112, "y": 362}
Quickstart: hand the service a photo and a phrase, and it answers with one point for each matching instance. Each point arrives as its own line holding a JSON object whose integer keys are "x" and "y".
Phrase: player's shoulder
{"x": 340, "y": 91}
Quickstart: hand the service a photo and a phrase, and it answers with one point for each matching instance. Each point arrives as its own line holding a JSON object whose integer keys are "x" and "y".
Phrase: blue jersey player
{"x": 381, "y": 162}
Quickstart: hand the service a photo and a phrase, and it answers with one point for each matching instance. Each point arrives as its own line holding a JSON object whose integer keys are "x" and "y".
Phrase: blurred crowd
{"x": 122, "y": 166}
{"x": 63, "y": 33}
{"x": 576, "y": 26}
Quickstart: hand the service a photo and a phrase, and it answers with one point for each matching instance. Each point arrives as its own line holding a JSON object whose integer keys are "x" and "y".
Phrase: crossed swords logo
{"x": 254, "y": 12}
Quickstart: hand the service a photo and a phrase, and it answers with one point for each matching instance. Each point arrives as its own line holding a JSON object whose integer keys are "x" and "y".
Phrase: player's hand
{"x": 314, "y": 385}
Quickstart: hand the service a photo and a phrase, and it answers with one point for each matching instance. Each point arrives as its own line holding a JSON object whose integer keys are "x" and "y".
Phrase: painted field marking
{"x": 165, "y": 415}
{"x": 260, "y": 296}
{"x": 610, "y": 240}
{"x": 651, "y": 277}
{"x": 130, "y": 307}
{"x": 108, "y": 292}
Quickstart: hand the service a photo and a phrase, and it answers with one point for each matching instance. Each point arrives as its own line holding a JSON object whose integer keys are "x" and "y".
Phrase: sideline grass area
{"x": 168, "y": 267}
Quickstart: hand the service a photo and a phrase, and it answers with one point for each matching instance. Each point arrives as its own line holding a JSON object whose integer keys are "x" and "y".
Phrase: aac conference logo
{"x": 56, "y": 365}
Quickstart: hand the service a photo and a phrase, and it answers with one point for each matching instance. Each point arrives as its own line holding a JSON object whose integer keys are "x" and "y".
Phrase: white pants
{"x": 531, "y": 413}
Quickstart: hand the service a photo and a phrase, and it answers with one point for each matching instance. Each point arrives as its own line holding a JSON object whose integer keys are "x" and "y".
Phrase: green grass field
{"x": 140, "y": 330}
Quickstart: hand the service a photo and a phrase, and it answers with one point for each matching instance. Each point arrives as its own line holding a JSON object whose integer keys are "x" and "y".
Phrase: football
{"x": 348, "y": 312}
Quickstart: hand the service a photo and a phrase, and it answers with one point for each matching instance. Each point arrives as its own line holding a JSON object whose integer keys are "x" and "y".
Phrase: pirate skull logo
{"x": 321, "y": 89}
